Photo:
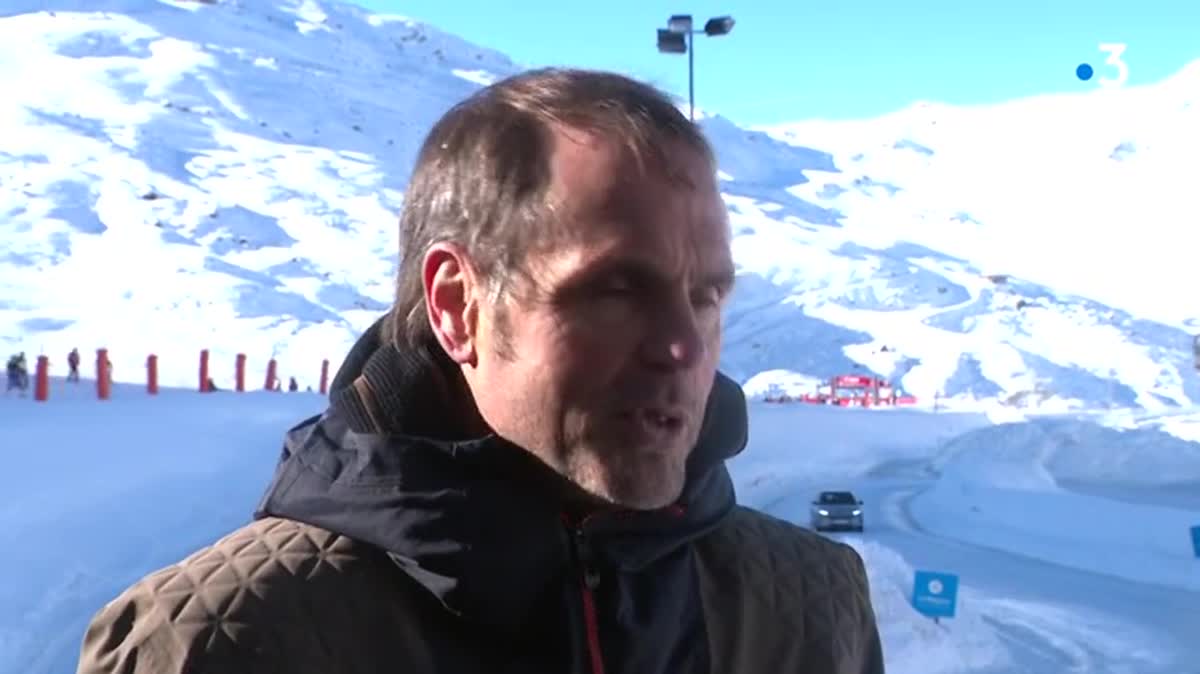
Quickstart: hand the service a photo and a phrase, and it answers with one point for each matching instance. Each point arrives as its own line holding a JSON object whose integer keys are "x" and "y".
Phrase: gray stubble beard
{"x": 653, "y": 482}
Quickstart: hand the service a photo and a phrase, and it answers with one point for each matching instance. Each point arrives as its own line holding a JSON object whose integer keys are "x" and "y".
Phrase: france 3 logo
{"x": 1115, "y": 51}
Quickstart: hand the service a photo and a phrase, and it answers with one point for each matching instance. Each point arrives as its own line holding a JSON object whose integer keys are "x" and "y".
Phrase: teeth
{"x": 656, "y": 418}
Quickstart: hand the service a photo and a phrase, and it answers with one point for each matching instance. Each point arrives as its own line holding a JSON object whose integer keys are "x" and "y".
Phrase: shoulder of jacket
{"x": 750, "y": 536}
{"x": 792, "y": 593}
{"x": 266, "y": 550}
{"x": 265, "y": 555}
{"x": 226, "y": 597}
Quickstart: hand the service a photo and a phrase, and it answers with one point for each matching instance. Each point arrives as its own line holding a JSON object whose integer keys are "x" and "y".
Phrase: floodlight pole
{"x": 691, "y": 77}
{"x": 678, "y": 37}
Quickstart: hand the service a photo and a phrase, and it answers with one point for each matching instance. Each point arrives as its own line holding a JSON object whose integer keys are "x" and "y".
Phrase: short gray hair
{"x": 482, "y": 175}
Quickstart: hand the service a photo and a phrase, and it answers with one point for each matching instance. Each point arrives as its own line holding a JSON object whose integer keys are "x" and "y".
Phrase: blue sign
{"x": 935, "y": 594}
{"x": 1196, "y": 540}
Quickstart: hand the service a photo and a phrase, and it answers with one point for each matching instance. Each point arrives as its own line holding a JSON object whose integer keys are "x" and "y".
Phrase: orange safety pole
{"x": 152, "y": 374}
{"x": 324, "y": 376}
{"x": 204, "y": 370}
{"x": 270, "y": 384}
{"x": 41, "y": 386}
{"x": 103, "y": 383}
{"x": 241, "y": 372}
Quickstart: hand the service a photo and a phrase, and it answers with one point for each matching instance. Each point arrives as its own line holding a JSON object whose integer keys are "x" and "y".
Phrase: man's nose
{"x": 676, "y": 336}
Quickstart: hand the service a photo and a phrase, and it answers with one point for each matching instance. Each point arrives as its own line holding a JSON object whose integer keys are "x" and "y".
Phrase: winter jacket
{"x": 388, "y": 543}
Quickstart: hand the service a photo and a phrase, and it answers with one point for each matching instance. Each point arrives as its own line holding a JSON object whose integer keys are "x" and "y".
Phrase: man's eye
{"x": 617, "y": 286}
{"x": 707, "y": 297}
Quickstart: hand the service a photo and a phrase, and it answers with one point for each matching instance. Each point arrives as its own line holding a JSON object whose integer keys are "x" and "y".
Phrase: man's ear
{"x": 450, "y": 301}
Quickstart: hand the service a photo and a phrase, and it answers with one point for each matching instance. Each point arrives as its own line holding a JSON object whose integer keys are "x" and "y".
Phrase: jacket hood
{"x": 479, "y": 522}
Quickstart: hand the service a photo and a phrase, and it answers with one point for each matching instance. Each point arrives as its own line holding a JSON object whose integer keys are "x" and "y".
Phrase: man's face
{"x": 602, "y": 363}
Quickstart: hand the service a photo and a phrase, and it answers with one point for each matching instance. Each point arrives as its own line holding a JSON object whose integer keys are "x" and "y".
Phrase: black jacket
{"x": 489, "y": 530}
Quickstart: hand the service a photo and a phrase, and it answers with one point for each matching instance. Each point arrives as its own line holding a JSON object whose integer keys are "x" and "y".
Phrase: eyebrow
{"x": 643, "y": 270}
{"x": 723, "y": 279}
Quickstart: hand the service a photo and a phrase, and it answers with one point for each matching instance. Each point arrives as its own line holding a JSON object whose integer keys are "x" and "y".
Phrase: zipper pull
{"x": 583, "y": 550}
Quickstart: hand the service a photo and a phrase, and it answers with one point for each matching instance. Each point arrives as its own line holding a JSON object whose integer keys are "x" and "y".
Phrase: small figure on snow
{"x": 73, "y": 363}
{"x": 18, "y": 374}
{"x": 292, "y": 385}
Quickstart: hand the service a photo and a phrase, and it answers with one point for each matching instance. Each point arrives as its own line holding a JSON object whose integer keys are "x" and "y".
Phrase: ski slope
{"x": 227, "y": 175}
{"x": 95, "y": 495}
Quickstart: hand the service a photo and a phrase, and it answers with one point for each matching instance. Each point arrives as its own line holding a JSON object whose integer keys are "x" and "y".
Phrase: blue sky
{"x": 837, "y": 59}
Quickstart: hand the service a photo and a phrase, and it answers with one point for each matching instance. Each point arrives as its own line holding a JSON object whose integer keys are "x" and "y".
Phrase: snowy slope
{"x": 1056, "y": 230}
{"x": 175, "y": 176}
{"x": 178, "y": 175}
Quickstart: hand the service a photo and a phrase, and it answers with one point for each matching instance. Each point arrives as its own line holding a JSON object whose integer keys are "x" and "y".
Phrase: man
{"x": 73, "y": 364}
{"x": 18, "y": 374}
{"x": 521, "y": 468}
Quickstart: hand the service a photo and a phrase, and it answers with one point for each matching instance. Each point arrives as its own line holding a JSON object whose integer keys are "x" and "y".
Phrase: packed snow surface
{"x": 96, "y": 495}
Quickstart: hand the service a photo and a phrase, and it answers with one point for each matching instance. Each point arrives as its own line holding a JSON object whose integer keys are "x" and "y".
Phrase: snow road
{"x": 1043, "y": 617}
{"x": 188, "y": 468}
{"x": 1025, "y": 604}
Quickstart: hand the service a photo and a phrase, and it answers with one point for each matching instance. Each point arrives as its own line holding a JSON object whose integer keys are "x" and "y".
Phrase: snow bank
{"x": 1001, "y": 487}
{"x": 1074, "y": 639}
{"x": 913, "y": 643}
{"x": 1072, "y": 450}
{"x": 979, "y": 637}
{"x": 1183, "y": 424}
{"x": 813, "y": 443}
{"x": 1186, "y": 428}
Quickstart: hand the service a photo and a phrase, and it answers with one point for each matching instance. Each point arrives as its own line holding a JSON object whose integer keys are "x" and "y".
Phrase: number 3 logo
{"x": 1114, "y": 51}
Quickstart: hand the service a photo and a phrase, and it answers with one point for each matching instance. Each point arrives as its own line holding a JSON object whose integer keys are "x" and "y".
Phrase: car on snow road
{"x": 836, "y": 510}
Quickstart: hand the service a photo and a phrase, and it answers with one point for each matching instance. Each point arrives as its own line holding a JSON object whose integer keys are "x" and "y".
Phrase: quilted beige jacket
{"x": 279, "y": 596}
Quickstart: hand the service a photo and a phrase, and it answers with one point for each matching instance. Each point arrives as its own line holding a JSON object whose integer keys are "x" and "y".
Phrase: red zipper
{"x": 592, "y": 623}
{"x": 588, "y": 582}
{"x": 588, "y": 579}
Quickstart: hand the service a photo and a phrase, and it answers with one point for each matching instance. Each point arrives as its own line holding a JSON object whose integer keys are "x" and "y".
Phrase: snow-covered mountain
{"x": 225, "y": 174}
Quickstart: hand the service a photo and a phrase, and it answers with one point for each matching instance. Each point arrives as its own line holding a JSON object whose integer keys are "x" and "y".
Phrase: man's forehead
{"x": 601, "y": 200}
{"x": 594, "y": 170}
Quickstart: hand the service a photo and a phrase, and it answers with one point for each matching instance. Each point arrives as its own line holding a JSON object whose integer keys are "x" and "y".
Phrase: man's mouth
{"x": 661, "y": 419}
